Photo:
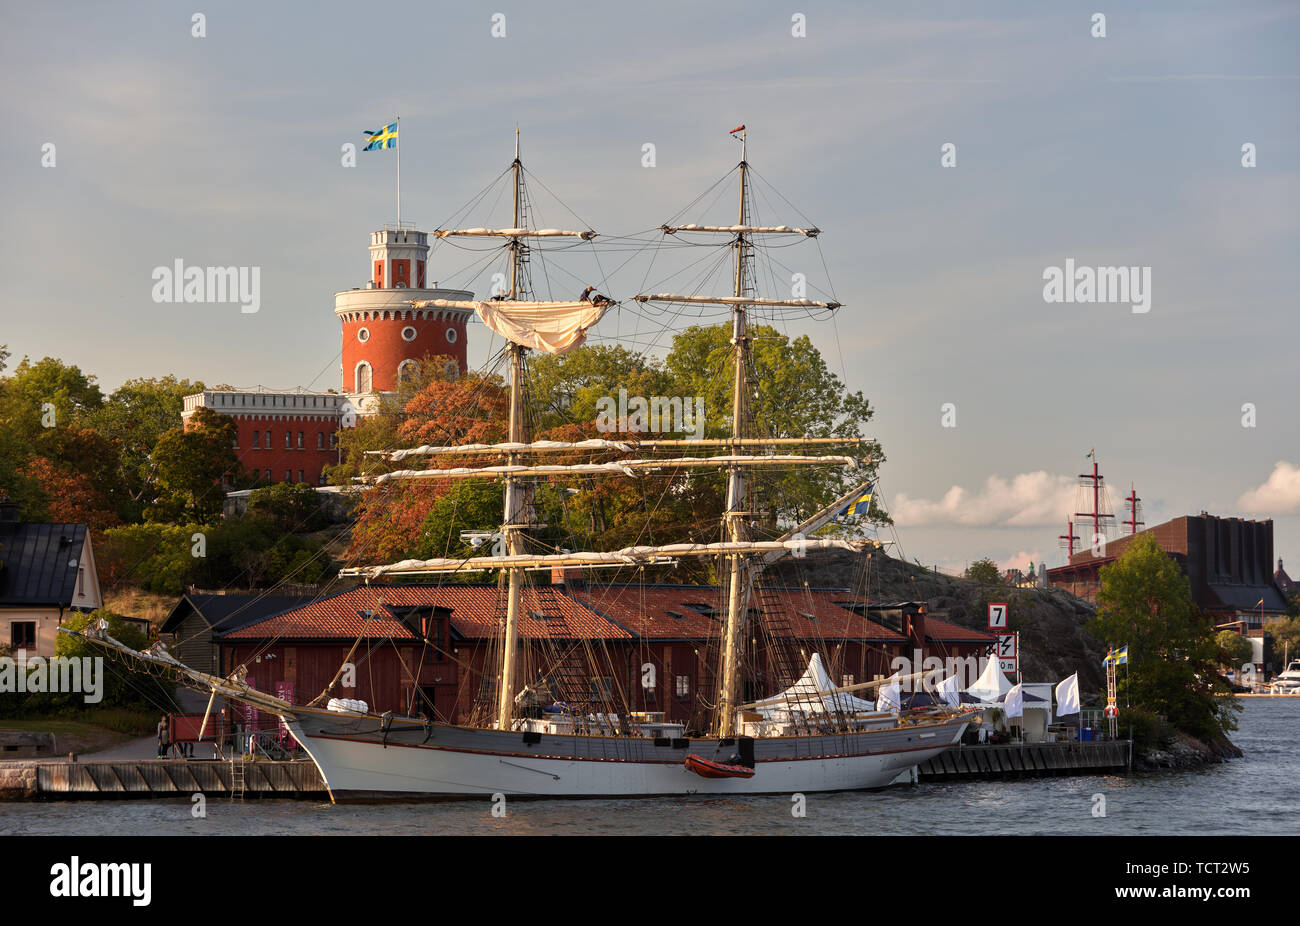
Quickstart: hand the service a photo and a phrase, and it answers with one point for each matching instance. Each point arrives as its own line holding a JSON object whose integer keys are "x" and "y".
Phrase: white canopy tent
{"x": 813, "y": 693}
{"x": 990, "y": 686}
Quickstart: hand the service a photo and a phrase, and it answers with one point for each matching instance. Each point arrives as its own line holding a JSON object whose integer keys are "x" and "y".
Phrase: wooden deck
{"x": 159, "y": 778}
{"x": 1028, "y": 760}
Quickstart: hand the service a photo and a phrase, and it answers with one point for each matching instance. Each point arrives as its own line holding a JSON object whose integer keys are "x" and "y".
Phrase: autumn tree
{"x": 984, "y": 571}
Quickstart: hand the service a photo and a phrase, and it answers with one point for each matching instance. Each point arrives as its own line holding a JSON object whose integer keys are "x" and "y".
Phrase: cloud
{"x": 1021, "y": 561}
{"x": 1280, "y": 494}
{"x": 1025, "y": 500}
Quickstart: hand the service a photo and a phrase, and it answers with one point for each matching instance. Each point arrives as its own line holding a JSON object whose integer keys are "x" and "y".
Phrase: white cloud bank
{"x": 1025, "y": 500}
{"x": 1280, "y": 494}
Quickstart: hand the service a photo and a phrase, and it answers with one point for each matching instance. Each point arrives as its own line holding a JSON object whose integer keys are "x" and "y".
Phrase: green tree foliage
{"x": 191, "y": 465}
{"x": 136, "y": 416}
{"x": 1286, "y": 636}
{"x": 290, "y": 508}
{"x": 984, "y": 571}
{"x": 1234, "y": 649}
{"x": 1145, "y": 602}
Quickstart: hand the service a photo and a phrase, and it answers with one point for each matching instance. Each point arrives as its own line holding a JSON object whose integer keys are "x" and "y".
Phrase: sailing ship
{"x": 813, "y": 736}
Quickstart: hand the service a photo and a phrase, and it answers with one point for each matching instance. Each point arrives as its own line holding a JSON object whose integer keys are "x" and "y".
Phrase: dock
{"x": 1028, "y": 760}
{"x": 155, "y": 778}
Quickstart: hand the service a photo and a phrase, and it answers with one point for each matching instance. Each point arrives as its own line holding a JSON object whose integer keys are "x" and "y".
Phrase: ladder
{"x": 237, "y": 780}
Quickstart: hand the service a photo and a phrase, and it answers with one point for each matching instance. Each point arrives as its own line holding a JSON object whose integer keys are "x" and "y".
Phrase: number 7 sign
{"x": 997, "y": 615}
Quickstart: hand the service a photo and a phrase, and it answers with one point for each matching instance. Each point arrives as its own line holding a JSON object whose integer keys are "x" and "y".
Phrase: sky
{"x": 1122, "y": 149}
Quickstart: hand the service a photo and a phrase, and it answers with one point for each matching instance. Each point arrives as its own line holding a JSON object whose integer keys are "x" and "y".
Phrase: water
{"x": 1255, "y": 795}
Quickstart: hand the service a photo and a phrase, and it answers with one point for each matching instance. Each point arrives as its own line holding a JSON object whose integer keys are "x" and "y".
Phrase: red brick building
{"x": 290, "y": 436}
{"x": 650, "y": 647}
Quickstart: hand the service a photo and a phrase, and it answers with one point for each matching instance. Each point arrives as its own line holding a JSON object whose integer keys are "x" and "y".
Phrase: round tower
{"x": 382, "y": 334}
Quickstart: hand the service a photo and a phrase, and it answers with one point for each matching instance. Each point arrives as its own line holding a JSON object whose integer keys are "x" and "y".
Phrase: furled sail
{"x": 626, "y": 556}
{"x": 537, "y": 446}
{"x": 513, "y": 233}
{"x": 551, "y": 327}
{"x": 743, "y": 229}
{"x": 739, "y": 300}
{"x": 626, "y": 467}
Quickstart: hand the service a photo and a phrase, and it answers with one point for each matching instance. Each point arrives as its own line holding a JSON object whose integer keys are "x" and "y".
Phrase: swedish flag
{"x": 382, "y": 138}
{"x": 1118, "y": 656}
{"x": 861, "y": 504}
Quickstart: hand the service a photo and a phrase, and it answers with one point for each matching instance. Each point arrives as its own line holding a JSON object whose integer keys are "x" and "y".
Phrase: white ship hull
{"x": 473, "y": 763}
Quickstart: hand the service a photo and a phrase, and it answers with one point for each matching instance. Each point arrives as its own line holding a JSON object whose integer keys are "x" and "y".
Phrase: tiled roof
{"x": 476, "y": 612}
{"x": 40, "y": 562}
{"x": 947, "y": 632}
{"x": 224, "y": 613}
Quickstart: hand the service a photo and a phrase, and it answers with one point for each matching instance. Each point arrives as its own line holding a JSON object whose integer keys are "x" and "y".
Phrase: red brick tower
{"x": 382, "y": 334}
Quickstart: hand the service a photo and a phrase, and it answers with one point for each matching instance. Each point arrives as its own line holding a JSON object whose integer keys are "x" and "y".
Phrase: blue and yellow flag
{"x": 1117, "y": 656}
{"x": 861, "y": 504}
{"x": 383, "y": 138}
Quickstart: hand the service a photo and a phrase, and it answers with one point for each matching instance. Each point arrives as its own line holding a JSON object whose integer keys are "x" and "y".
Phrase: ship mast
{"x": 737, "y": 526}
{"x": 515, "y": 517}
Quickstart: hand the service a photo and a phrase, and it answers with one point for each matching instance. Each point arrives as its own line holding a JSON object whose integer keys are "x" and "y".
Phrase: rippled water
{"x": 1255, "y": 795}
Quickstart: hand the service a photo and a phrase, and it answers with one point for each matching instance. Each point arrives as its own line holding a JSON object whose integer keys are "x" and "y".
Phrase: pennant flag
{"x": 890, "y": 696}
{"x": 381, "y": 138}
{"x": 948, "y": 691}
{"x": 1092, "y": 452}
{"x": 1014, "y": 703}
{"x": 739, "y": 128}
{"x": 1067, "y": 696}
{"x": 1260, "y": 603}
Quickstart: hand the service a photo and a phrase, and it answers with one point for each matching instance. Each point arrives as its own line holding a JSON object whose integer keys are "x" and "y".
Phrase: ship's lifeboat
{"x": 707, "y": 768}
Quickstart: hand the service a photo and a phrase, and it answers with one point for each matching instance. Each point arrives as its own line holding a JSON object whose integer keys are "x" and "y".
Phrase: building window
{"x": 363, "y": 377}
{"x": 22, "y": 635}
{"x": 299, "y": 440}
{"x": 288, "y": 476}
{"x": 257, "y": 445}
{"x": 288, "y": 440}
{"x": 451, "y": 335}
{"x": 683, "y": 686}
{"x": 363, "y": 335}
{"x": 321, "y": 481}
{"x": 300, "y": 476}
{"x": 408, "y": 333}
{"x": 405, "y": 369}
{"x": 236, "y": 442}
{"x": 320, "y": 440}
{"x": 268, "y": 440}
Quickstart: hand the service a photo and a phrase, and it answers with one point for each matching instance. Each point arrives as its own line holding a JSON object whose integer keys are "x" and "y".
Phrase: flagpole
{"x": 399, "y": 171}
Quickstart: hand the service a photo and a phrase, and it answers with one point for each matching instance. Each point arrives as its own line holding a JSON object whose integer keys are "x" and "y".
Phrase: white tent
{"x": 991, "y": 685}
{"x": 813, "y": 693}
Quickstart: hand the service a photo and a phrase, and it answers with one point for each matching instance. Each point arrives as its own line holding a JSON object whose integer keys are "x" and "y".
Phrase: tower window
{"x": 363, "y": 335}
{"x": 405, "y": 369}
{"x": 451, "y": 335}
{"x": 408, "y": 333}
{"x": 363, "y": 377}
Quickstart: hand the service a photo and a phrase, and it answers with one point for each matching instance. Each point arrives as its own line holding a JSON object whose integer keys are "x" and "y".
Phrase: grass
{"x": 90, "y": 731}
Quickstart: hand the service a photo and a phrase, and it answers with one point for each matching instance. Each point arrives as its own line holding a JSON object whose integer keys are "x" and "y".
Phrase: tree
{"x": 1235, "y": 650}
{"x": 191, "y": 464}
{"x": 1145, "y": 602}
{"x": 796, "y": 396}
{"x": 984, "y": 571}
{"x": 1286, "y": 636}
{"x": 136, "y": 416}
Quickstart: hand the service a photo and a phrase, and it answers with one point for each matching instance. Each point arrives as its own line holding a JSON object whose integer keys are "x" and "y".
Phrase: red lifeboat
{"x": 707, "y": 768}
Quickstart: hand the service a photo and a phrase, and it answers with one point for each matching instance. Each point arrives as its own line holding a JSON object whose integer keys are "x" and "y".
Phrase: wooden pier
{"x": 1027, "y": 760}
{"x": 146, "y": 778}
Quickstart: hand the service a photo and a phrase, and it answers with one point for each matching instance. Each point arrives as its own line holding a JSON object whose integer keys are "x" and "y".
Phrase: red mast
{"x": 1133, "y": 523}
{"x": 1099, "y": 518}
{"x": 1069, "y": 537}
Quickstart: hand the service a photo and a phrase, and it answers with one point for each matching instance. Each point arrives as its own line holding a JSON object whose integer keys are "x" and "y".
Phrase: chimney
{"x": 916, "y": 625}
{"x": 568, "y": 576}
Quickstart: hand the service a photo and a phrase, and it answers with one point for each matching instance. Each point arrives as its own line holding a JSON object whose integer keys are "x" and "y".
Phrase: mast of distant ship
{"x": 515, "y": 518}
{"x": 737, "y": 527}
